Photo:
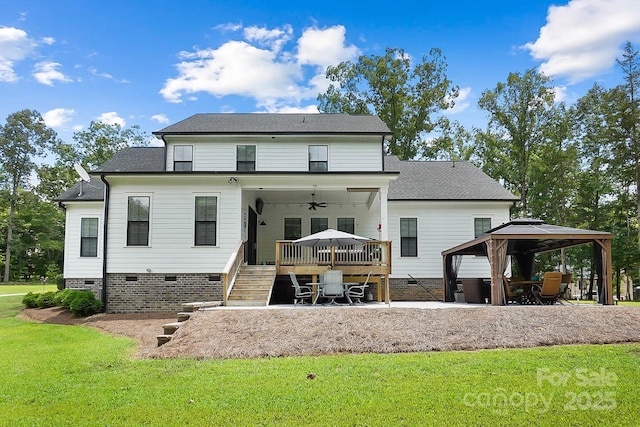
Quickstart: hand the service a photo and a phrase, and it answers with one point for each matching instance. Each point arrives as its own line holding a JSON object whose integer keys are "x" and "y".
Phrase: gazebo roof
{"x": 527, "y": 235}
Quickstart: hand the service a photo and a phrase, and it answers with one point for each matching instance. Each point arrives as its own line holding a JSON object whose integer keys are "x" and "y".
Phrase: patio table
{"x": 318, "y": 288}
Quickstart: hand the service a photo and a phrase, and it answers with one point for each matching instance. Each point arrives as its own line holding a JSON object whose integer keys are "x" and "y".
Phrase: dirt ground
{"x": 323, "y": 330}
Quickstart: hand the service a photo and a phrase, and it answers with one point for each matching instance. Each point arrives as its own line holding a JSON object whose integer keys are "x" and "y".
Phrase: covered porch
{"x": 523, "y": 239}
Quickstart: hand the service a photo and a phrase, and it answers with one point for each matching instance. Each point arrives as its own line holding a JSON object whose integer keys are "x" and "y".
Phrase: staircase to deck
{"x": 253, "y": 286}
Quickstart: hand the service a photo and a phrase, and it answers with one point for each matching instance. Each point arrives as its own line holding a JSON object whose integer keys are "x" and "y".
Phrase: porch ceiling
{"x": 297, "y": 196}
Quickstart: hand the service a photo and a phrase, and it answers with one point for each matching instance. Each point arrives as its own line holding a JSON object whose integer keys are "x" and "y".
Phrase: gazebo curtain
{"x": 597, "y": 260}
{"x": 452, "y": 265}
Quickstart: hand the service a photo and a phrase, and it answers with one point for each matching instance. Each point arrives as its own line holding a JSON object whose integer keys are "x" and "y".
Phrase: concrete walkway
{"x": 394, "y": 304}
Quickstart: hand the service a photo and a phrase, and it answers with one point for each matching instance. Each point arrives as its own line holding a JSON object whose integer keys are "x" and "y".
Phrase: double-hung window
{"x": 246, "y": 158}
{"x": 89, "y": 237}
{"x": 318, "y": 158}
{"x": 206, "y": 220}
{"x": 408, "y": 237}
{"x": 319, "y": 224}
{"x": 182, "y": 157}
{"x": 481, "y": 226}
{"x": 138, "y": 221}
{"x": 348, "y": 225}
{"x": 292, "y": 228}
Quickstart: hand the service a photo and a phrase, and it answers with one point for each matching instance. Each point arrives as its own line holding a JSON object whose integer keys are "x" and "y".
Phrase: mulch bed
{"x": 220, "y": 333}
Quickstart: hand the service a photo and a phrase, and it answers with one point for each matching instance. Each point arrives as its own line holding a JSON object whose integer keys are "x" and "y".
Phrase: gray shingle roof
{"x": 135, "y": 159}
{"x": 442, "y": 180}
{"x": 91, "y": 191}
{"x": 277, "y": 123}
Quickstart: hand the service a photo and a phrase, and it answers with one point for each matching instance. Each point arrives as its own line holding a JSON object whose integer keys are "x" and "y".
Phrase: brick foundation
{"x": 406, "y": 289}
{"x": 142, "y": 293}
{"x": 90, "y": 283}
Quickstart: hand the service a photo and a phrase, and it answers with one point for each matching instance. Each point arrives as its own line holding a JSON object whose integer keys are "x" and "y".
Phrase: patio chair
{"x": 356, "y": 292}
{"x": 513, "y": 294}
{"x": 549, "y": 291}
{"x": 301, "y": 291}
{"x": 332, "y": 287}
{"x": 565, "y": 291}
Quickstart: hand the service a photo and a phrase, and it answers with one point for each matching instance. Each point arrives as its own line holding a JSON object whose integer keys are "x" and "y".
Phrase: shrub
{"x": 30, "y": 300}
{"x": 85, "y": 304}
{"x": 61, "y": 296}
{"x": 46, "y": 300}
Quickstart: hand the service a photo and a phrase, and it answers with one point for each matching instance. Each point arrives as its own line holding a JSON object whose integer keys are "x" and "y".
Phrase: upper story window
{"x": 246, "y": 158}
{"x": 318, "y": 158}
{"x": 348, "y": 225}
{"x": 206, "y": 220}
{"x": 138, "y": 221}
{"x": 319, "y": 224}
{"x": 292, "y": 228}
{"x": 408, "y": 237}
{"x": 89, "y": 237}
{"x": 182, "y": 157}
{"x": 481, "y": 226}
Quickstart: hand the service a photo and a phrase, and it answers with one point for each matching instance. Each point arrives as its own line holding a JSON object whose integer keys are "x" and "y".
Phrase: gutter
{"x": 105, "y": 228}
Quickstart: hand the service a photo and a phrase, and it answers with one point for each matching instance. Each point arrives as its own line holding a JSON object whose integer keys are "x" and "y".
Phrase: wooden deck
{"x": 355, "y": 262}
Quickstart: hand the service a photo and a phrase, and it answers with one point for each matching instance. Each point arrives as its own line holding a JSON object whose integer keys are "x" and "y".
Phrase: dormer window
{"x": 246, "y": 158}
{"x": 182, "y": 157}
{"x": 318, "y": 158}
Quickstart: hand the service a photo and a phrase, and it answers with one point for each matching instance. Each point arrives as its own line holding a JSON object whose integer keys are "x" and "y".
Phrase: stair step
{"x": 170, "y": 328}
{"x": 184, "y": 316}
{"x": 195, "y": 306}
{"x": 163, "y": 339}
{"x": 247, "y": 303}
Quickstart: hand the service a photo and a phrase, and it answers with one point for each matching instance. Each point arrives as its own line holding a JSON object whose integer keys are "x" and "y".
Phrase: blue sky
{"x": 153, "y": 63}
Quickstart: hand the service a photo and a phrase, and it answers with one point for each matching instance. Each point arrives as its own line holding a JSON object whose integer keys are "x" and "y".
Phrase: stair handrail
{"x": 236, "y": 260}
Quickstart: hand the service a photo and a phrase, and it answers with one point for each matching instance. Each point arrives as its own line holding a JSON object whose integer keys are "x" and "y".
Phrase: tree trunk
{"x": 7, "y": 259}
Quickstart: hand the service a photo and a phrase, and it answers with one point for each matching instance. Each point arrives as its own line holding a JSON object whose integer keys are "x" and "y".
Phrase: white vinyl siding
{"x": 441, "y": 225}
{"x": 75, "y": 265}
{"x": 282, "y": 153}
{"x": 172, "y": 248}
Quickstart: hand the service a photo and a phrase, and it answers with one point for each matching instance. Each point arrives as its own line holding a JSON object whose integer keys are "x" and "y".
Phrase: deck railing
{"x": 231, "y": 270}
{"x": 371, "y": 253}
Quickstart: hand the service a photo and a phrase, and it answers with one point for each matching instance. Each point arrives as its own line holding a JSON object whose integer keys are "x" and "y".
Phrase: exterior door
{"x": 251, "y": 248}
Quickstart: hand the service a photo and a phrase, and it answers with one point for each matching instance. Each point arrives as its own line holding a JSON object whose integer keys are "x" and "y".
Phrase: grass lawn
{"x": 70, "y": 375}
{"x": 22, "y": 288}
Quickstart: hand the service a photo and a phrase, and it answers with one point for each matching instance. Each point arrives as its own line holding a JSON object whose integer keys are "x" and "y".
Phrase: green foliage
{"x": 46, "y": 300}
{"x": 30, "y": 300}
{"x": 84, "y": 303}
{"x": 403, "y": 92}
{"x": 80, "y": 303}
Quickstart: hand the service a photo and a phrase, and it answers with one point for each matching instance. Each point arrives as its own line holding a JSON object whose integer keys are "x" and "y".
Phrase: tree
{"x": 92, "y": 147}
{"x": 22, "y": 139}
{"x": 520, "y": 117}
{"x": 402, "y": 94}
{"x": 627, "y": 126}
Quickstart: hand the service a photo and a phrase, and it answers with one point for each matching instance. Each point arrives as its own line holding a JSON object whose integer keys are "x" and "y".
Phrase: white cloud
{"x": 462, "y": 102}
{"x": 274, "y": 39}
{"x": 324, "y": 47}
{"x": 77, "y": 128}
{"x": 160, "y": 118}
{"x": 228, "y": 27}
{"x": 48, "y": 40}
{"x": 560, "y": 93}
{"x": 584, "y": 37}
{"x": 15, "y": 46}
{"x": 260, "y": 68}
{"x": 46, "y": 73}
{"x": 111, "y": 118}
{"x": 58, "y": 117}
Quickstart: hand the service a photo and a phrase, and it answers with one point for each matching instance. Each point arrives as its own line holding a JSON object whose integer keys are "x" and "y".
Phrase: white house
{"x": 159, "y": 226}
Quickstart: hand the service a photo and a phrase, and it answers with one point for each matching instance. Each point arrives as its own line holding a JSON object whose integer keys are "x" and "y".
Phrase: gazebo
{"x": 523, "y": 239}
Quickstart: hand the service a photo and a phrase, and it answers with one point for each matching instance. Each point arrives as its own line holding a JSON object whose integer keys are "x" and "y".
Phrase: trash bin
{"x": 472, "y": 289}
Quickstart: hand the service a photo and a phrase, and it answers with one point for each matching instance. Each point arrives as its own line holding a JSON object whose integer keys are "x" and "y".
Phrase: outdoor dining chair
{"x": 356, "y": 292}
{"x": 514, "y": 294}
{"x": 549, "y": 291}
{"x": 300, "y": 291}
{"x": 332, "y": 286}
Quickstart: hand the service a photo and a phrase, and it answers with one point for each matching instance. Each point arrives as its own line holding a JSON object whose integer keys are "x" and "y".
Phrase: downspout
{"x": 105, "y": 228}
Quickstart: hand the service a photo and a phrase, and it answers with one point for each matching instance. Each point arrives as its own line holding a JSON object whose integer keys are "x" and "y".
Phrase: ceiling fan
{"x": 313, "y": 205}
